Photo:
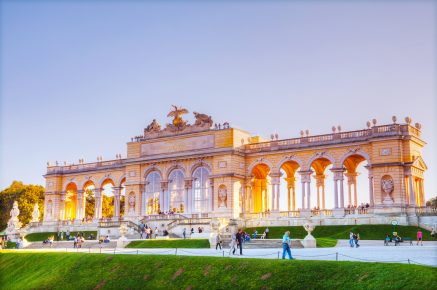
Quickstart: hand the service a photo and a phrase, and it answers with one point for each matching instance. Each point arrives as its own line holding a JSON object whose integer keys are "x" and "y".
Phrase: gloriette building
{"x": 201, "y": 171}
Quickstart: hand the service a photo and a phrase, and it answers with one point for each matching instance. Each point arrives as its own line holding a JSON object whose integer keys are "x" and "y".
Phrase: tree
{"x": 26, "y": 196}
{"x": 107, "y": 206}
{"x": 432, "y": 202}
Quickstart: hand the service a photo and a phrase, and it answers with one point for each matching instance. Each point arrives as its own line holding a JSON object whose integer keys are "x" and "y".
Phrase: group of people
{"x": 264, "y": 235}
{"x": 78, "y": 241}
{"x": 104, "y": 240}
{"x": 237, "y": 241}
{"x": 147, "y": 232}
{"x": 354, "y": 239}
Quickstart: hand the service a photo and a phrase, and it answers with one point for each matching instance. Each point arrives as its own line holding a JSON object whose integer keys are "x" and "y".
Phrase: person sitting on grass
{"x": 255, "y": 233}
{"x": 106, "y": 240}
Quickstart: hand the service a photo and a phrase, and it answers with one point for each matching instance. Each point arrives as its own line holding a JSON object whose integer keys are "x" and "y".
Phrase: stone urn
{"x": 309, "y": 241}
{"x": 122, "y": 241}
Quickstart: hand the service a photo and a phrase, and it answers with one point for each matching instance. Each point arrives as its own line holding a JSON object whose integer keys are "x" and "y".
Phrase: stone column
{"x": 320, "y": 183}
{"x": 275, "y": 180}
{"x": 79, "y": 205}
{"x": 211, "y": 196}
{"x": 189, "y": 196}
{"x": 352, "y": 183}
{"x": 291, "y": 192}
{"x": 117, "y": 191}
{"x": 371, "y": 198}
{"x": 165, "y": 196}
{"x": 335, "y": 192}
{"x": 338, "y": 178}
{"x": 422, "y": 192}
{"x": 303, "y": 194}
{"x": 308, "y": 193}
{"x": 248, "y": 197}
{"x": 98, "y": 204}
{"x": 62, "y": 206}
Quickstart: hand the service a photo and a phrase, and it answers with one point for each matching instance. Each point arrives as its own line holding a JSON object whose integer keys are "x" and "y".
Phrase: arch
{"x": 150, "y": 169}
{"x": 175, "y": 167}
{"x": 120, "y": 180}
{"x": 198, "y": 164}
{"x": 105, "y": 178}
{"x": 322, "y": 155}
{"x": 262, "y": 162}
{"x": 286, "y": 159}
{"x": 88, "y": 180}
{"x": 176, "y": 188}
{"x": 352, "y": 153}
{"x": 201, "y": 189}
{"x": 68, "y": 183}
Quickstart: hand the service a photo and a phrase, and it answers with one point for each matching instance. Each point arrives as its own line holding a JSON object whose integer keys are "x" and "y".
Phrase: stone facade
{"x": 201, "y": 170}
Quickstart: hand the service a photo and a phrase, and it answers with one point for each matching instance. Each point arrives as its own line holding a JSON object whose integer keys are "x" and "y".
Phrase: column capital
{"x": 164, "y": 185}
{"x": 338, "y": 173}
{"x": 188, "y": 183}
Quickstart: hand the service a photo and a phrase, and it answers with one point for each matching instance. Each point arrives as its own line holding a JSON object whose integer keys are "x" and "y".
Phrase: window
{"x": 176, "y": 189}
{"x": 200, "y": 190}
{"x": 153, "y": 189}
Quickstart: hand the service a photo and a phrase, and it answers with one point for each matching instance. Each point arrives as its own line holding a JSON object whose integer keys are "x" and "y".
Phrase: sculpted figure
{"x": 387, "y": 184}
{"x": 14, "y": 211}
{"x": 202, "y": 119}
{"x": 222, "y": 194}
{"x": 177, "y": 113}
{"x": 153, "y": 127}
{"x": 35, "y": 213}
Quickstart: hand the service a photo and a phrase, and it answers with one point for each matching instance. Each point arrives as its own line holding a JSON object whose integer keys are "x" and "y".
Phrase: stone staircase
{"x": 93, "y": 244}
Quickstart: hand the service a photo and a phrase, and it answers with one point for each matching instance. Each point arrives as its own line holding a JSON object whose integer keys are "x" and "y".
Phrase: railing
{"x": 163, "y": 217}
{"x": 376, "y": 131}
{"x": 326, "y": 212}
{"x": 426, "y": 211}
{"x": 85, "y": 166}
{"x": 294, "y": 213}
{"x": 113, "y": 224}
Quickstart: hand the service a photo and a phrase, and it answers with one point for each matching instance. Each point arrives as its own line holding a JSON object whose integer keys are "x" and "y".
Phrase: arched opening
{"x": 201, "y": 190}
{"x": 260, "y": 188}
{"x": 357, "y": 183}
{"x": 122, "y": 196}
{"x": 176, "y": 189}
{"x": 152, "y": 194}
{"x": 70, "y": 201}
{"x": 107, "y": 198}
{"x": 289, "y": 186}
{"x": 320, "y": 189}
{"x": 89, "y": 200}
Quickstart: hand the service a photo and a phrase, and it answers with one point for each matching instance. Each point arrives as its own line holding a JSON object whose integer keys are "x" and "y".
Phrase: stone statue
{"x": 309, "y": 241}
{"x": 387, "y": 186}
{"x": 131, "y": 210}
{"x": 222, "y": 194}
{"x": 49, "y": 208}
{"x": 153, "y": 127}
{"x": 178, "y": 122}
{"x": 202, "y": 119}
{"x": 14, "y": 224}
{"x": 35, "y": 214}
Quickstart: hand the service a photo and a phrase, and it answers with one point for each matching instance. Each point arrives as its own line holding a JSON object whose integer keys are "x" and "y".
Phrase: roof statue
{"x": 178, "y": 125}
{"x": 177, "y": 113}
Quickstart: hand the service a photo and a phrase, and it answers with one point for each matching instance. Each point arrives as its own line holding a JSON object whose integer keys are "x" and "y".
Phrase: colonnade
{"x": 269, "y": 193}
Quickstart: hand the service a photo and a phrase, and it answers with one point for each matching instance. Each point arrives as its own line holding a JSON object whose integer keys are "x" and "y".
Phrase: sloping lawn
{"x": 102, "y": 271}
{"x": 367, "y": 232}
{"x": 170, "y": 243}
{"x": 39, "y": 237}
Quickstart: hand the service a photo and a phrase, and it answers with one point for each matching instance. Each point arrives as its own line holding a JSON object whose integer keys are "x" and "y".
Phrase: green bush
{"x": 39, "y": 237}
{"x": 170, "y": 243}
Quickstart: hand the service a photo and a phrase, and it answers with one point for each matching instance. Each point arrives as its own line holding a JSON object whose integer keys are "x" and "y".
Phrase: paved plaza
{"x": 369, "y": 251}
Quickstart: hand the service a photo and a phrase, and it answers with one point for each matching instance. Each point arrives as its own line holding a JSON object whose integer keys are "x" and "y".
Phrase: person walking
{"x": 232, "y": 246}
{"x": 267, "y": 233}
{"x": 239, "y": 238}
{"x": 184, "y": 233}
{"x": 156, "y": 232}
{"x": 419, "y": 238}
{"x": 351, "y": 239}
{"x": 218, "y": 242}
{"x": 286, "y": 245}
{"x": 356, "y": 238}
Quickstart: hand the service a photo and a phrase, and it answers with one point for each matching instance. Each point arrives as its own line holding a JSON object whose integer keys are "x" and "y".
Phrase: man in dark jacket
{"x": 240, "y": 237}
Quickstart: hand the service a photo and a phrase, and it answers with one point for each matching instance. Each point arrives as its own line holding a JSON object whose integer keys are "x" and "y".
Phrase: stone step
{"x": 59, "y": 245}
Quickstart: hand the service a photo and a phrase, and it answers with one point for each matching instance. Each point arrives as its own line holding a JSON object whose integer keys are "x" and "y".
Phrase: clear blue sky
{"x": 78, "y": 78}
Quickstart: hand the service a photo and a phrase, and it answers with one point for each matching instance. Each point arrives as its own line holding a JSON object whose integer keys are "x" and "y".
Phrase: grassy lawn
{"x": 101, "y": 271}
{"x": 326, "y": 242}
{"x": 367, "y": 232}
{"x": 38, "y": 237}
{"x": 170, "y": 243}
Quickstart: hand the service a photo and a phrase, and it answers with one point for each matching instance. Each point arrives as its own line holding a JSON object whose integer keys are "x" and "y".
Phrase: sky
{"x": 80, "y": 78}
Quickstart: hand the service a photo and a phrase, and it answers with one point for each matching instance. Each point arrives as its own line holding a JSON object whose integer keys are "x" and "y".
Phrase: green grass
{"x": 39, "y": 237}
{"x": 326, "y": 242}
{"x": 170, "y": 243}
{"x": 102, "y": 271}
{"x": 11, "y": 245}
{"x": 367, "y": 232}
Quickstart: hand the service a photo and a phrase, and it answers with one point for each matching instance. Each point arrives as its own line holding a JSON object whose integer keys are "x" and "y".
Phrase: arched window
{"x": 153, "y": 189}
{"x": 176, "y": 189}
{"x": 200, "y": 190}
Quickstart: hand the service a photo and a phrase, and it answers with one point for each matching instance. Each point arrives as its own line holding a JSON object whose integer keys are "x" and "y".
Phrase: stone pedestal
{"x": 309, "y": 242}
{"x": 122, "y": 242}
{"x": 212, "y": 240}
{"x": 338, "y": 212}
